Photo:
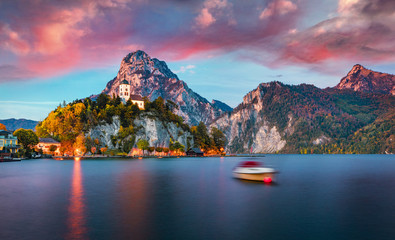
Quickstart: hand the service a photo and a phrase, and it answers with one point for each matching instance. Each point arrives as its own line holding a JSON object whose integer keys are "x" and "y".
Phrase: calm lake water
{"x": 315, "y": 197}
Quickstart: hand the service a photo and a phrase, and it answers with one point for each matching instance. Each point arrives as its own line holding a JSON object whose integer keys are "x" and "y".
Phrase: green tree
{"x": 159, "y": 149}
{"x": 218, "y": 138}
{"x": 27, "y": 138}
{"x": 151, "y": 149}
{"x": 127, "y": 145}
{"x": 102, "y": 101}
{"x": 179, "y": 147}
{"x": 142, "y": 144}
{"x": 201, "y": 136}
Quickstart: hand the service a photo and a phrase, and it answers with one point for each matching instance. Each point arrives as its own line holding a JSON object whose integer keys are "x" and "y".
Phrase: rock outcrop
{"x": 157, "y": 132}
{"x": 368, "y": 81}
{"x": 150, "y": 77}
{"x": 248, "y": 129}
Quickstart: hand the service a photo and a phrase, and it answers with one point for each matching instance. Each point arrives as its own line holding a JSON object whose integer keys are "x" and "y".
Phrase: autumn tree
{"x": 79, "y": 145}
{"x": 103, "y": 150}
{"x": 52, "y": 149}
{"x": 2, "y": 127}
{"x": 93, "y": 150}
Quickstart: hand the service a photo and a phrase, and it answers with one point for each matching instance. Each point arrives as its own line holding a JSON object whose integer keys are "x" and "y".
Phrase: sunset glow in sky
{"x": 57, "y": 50}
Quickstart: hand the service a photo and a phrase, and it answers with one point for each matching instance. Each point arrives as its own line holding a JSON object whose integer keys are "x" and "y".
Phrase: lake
{"x": 314, "y": 197}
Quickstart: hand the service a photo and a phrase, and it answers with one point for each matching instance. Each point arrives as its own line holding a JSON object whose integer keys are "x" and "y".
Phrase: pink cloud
{"x": 56, "y": 38}
{"x": 12, "y": 40}
{"x": 205, "y": 18}
{"x": 363, "y": 31}
{"x": 278, "y": 7}
{"x": 220, "y": 8}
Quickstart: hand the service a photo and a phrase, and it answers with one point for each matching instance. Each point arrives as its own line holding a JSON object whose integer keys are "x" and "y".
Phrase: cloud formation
{"x": 363, "y": 30}
{"x": 280, "y": 7}
{"x": 47, "y": 38}
{"x": 184, "y": 69}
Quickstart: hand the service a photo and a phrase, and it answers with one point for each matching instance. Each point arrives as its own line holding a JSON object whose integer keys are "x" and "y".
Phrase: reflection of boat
{"x": 254, "y": 171}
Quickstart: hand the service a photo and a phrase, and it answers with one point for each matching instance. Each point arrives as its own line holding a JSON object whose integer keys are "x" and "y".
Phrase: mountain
{"x": 150, "y": 77}
{"x": 14, "y": 124}
{"x": 356, "y": 116}
{"x": 365, "y": 80}
{"x": 274, "y": 113}
{"x": 276, "y": 117}
{"x": 221, "y": 105}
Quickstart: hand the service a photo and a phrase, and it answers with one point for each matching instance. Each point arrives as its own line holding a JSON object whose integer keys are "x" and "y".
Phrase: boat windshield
{"x": 250, "y": 164}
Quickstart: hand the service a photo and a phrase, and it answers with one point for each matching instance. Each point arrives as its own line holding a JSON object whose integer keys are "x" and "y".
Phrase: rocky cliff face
{"x": 248, "y": 129}
{"x": 365, "y": 80}
{"x": 278, "y": 117}
{"x": 152, "y": 78}
{"x": 158, "y": 133}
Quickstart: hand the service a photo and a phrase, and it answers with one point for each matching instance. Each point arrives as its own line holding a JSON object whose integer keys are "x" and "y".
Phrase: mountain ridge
{"x": 14, "y": 124}
{"x": 365, "y": 80}
{"x": 276, "y": 117}
{"x": 150, "y": 77}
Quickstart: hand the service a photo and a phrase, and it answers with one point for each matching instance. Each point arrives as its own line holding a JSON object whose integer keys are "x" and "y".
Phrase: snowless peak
{"x": 152, "y": 78}
{"x": 138, "y": 55}
{"x": 364, "y": 80}
{"x": 273, "y": 84}
{"x": 356, "y": 68}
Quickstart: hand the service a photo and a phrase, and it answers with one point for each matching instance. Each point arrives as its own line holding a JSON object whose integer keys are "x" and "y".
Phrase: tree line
{"x": 69, "y": 124}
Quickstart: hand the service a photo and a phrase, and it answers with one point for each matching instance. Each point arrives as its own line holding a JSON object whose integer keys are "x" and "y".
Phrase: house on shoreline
{"x": 195, "y": 152}
{"x": 8, "y": 142}
{"x": 45, "y": 143}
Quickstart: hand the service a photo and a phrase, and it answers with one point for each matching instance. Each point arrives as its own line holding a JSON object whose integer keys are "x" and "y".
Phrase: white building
{"x": 124, "y": 91}
{"x": 124, "y": 94}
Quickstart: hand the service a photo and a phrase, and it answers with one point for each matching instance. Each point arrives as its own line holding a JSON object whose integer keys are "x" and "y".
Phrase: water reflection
{"x": 134, "y": 203}
{"x": 76, "y": 212}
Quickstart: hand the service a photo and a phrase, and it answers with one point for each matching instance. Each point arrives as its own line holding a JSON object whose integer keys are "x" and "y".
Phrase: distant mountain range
{"x": 356, "y": 116}
{"x": 14, "y": 124}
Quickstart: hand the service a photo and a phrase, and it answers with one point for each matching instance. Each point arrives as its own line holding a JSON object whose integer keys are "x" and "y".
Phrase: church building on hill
{"x": 124, "y": 94}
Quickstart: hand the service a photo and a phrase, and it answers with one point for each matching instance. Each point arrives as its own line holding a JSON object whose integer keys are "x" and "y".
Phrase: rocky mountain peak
{"x": 257, "y": 94}
{"x": 136, "y": 56}
{"x": 356, "y": 68}
{"x": 362, "y": 79}
{"x": 150, "y": 77}
{"x": 139, "y": 62}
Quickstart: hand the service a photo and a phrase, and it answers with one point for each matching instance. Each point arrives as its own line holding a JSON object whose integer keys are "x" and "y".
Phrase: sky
{"x": 53, "y": 50}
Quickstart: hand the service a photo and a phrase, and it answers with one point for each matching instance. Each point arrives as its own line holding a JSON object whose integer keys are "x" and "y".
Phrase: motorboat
{"x": 254, "y": 171}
